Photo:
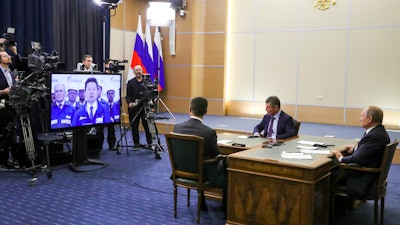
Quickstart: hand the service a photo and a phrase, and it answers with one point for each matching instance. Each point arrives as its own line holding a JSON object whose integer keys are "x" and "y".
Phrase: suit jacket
{"x": 4, "y": 84}
{"x": 369, "y": 154}
{"x": 213, "y": 172}
{"x": 196, "y": 127}
{"x": 284, "y": 127}
{"x": 6, "y": 114}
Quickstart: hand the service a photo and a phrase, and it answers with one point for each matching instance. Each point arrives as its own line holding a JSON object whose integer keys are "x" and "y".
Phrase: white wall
{"x": 349, "y": 54}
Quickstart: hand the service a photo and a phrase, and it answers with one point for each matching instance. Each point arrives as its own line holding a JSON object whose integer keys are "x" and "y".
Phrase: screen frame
{"x": 77, "y": 80}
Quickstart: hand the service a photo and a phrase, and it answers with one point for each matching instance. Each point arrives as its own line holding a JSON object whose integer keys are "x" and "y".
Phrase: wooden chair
{"x": 186, "y": 154}
{"x": 378, "y": 191}
{"x": 296, "y": 125}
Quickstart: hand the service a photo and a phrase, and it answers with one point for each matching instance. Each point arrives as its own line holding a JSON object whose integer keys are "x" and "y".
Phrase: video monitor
{"x": 84, "y": 100}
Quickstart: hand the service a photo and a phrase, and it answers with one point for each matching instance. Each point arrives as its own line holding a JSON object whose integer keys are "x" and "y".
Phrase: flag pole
{"x": 158, "y": 89}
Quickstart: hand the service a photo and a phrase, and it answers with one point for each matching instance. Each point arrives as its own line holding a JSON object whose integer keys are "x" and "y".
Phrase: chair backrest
{"x": 385, "y": 166}
{"x": 186, "y": 155}
{"x": 296, "y": 125}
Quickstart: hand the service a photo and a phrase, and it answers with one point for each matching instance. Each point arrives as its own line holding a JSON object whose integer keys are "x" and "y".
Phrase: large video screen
{"x": 83, "y": 99}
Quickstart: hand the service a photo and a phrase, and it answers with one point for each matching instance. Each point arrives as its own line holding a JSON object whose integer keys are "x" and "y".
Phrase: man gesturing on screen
{"x": 92, "y": 112}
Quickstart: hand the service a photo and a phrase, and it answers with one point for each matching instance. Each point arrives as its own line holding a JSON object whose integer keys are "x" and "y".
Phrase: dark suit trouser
{"x": 135, "y": 126}
{"x": 111, "y": 136}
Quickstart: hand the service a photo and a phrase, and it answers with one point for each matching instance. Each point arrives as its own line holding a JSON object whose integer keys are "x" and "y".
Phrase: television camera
{"x": 33, "y": 87}
{"x": 148, "y": 93}
{"x": 114, "y": 65}
{"x": 9, "y": 38}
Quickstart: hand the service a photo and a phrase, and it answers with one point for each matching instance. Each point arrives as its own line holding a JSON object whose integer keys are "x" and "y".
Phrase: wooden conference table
{"x": 229, "y": 143}
{"x": 265, "y": 188}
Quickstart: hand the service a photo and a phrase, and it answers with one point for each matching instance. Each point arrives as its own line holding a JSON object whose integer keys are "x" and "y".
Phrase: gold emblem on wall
{"x": 324, "y": 4}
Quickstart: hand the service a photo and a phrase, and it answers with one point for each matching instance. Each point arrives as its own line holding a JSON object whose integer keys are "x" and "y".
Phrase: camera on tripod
{"x": 149, "y": 92}
{"x": 40, "y": 61}
{"x": 114, "y": 65}
{"x": 9, "y": 38}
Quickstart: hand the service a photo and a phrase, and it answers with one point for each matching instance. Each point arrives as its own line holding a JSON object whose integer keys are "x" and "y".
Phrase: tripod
{"x": 158, "y": 99}
{"x": 149, "y": 117}
{"x": 30, "y": 148}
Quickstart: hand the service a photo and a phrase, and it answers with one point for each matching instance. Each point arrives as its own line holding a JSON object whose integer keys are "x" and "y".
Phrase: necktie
{"x": 270, "y": 129}
{"x": 91, "y": 113}
{"x": 59, "y": 106}
{"x": 110, "y": 107}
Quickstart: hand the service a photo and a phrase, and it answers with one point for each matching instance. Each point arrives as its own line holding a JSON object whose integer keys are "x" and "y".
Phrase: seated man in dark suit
{"x": 194, "y": 126}
{"x": 276, "y": 123}
{"x": 367, "y": 153}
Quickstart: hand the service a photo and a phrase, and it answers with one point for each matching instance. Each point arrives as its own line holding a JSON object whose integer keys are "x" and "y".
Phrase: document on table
{"x": 224, "y": 142}
{"x": 324, "y": 152}
{"x": 302, "y": 142}
{"x": 243, "y": 136}
{"x": 295, "y": 155}
{"x": 306, "y": 147}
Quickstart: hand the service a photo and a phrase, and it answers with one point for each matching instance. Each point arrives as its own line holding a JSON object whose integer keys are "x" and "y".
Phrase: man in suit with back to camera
{"x": 61, "y": 111}
{"x": 93, "y": 111}
{"x": 194, "y": 126}
{"x": 276, "y": 123}
{"x": 368, "y": 152}
{"x": 134, "y": 90}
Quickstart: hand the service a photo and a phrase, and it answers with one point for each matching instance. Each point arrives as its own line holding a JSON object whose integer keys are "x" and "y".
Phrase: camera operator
{"x": 7, "y": 114}
{"x": 12, "y": 51}
{"x": 133, "y": 98}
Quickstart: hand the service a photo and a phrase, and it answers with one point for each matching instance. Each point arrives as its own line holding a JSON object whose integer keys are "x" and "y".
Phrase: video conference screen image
{"x": 82, "y": 99}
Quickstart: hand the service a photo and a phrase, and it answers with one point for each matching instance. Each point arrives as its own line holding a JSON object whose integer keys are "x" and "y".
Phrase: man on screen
{"x": 61, "y": 113}
{"x": 92, "y": 112}
{"x": 115, "y": 110}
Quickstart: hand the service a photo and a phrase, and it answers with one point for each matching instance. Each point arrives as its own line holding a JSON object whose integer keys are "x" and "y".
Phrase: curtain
{"x": 70, "y": 27}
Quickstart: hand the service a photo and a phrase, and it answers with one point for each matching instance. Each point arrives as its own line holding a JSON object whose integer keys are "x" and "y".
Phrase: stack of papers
{"x": 295, "y": 155}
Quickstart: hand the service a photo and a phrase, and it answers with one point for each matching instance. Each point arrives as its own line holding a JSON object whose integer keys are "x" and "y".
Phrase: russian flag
{"x": 137, "y": 54}
{"x": 158, "y": 59}
{"x": 148, "y": 54}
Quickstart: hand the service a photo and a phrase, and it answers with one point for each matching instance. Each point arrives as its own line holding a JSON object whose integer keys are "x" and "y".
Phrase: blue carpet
{"x": 136, "y": 189}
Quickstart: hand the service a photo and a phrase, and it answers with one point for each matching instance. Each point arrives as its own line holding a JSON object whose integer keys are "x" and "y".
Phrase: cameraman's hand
{"x": 13, "y": 49}
{"x": 135, "y": 103}
{"x": 6, "y": 91}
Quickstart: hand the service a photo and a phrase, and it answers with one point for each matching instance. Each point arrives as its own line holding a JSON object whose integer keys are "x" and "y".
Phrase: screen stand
{"x": 80, "y": 161}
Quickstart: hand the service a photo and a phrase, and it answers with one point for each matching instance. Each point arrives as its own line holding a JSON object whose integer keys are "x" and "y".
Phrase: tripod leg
{"x": 169, "y": 111}
{"x": 123, "y": 135}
